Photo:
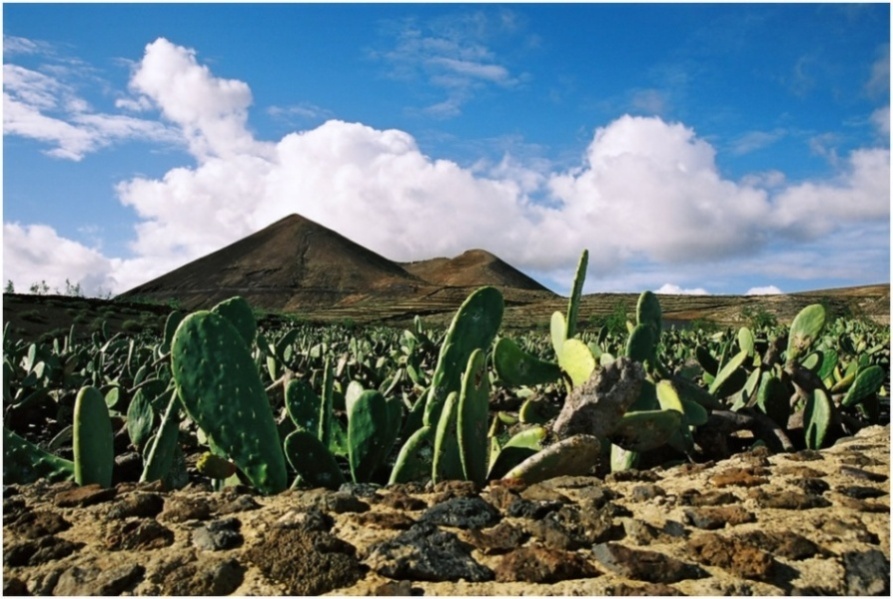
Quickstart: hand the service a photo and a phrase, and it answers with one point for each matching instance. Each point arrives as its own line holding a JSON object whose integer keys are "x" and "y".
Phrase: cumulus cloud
{"x": 646, "y": 197}
{"x": 57, "y": 259}
{"x": 767, "y": 290}
{"x": 671, "y": 289}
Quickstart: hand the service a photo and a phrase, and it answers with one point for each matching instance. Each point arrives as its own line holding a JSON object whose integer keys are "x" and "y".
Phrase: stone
{"x": 863, "y": 474}
{"x": 573, "y": 527}
{"x": 342, "y": 502}
{"x": 218, "y": 535}
{"x": 535, "y": 510}
{"x": 425, "y": 552}
{"x": 788, "y": 545}
{"x": 400, "y": 500}
{"x": 644, "y": 533}
{"x": 394, "y": 588}
{"x": 867, "y": 573}
{"x": 498, "y": 539}
{"x": 182, "y": 507}
{"x": 645, "y": 590}
{"x": 307, "y": 563}
{"x": 812, "y": 486}
{"x": 595, "y": 407}
{"x": 84, "y": 496}
{"x": 38, "y": 523}
{"x": 136, "y": 535}
{"x": 14, "y": 587}
{"x": 860, "y": 492}
{"x": 743, "y": 477}
{"x": 137, "y": 505}
{"x": 462, "y": 512}
{"x": 711, "y": 518}
{"x": 39, "y": 551}
{"x": 539, "y": 564}
{"x": 732, "y": 554}
{"x": 204, "y": 578}
{"x": 707, "y": 498}
{"x": 790, "y": 500}
{"x": 93, "y": 580}
{"x": 646, "y": 492}
{"x": 384, "y": 520}
{"x": 307, "y": 520}
{"x": 648, "y": 566}
{"x": 239, "y": 503}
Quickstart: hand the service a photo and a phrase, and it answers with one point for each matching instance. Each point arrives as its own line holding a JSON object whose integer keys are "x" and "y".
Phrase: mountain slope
{"x": 294, "y": 259}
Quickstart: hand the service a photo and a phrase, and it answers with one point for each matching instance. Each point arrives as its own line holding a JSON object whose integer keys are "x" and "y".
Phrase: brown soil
{"x": 814, "y": 523}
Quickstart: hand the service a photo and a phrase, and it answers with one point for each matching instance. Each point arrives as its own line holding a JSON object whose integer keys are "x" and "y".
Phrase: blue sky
{"x": 691, "y": 148}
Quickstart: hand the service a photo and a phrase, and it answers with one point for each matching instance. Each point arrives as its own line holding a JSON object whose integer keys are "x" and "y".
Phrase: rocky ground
{"x": 757, "y": 524}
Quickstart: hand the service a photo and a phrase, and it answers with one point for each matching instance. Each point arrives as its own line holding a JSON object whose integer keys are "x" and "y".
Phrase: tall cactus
{"x": 474, "y": 327}
{"x": 93, "y": 439}
{"x": 221, "y": 390}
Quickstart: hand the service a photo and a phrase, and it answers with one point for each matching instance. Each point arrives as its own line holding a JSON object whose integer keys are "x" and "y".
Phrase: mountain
{"x": 297, "y": 265}
{"x": 471, "y": 269}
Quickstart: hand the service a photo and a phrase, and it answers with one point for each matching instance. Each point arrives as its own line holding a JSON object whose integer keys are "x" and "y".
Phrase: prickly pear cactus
{"x": 93, "y": 439}
{"x": 473, "y": 413}
{"x": 220, "y": 388}
{"x": 370, "y": 434}
{"x": 474, "y": 327}
{"x": 24, "y": 462}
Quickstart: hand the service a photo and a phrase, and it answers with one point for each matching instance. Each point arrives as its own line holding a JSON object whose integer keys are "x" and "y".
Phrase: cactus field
{"x": 222, "y": 395}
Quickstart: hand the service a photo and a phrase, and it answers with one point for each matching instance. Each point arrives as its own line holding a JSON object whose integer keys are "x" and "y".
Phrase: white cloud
{"x": 767, "y": 290}
{"x": 41, "y": 106}
{"x": 671, "y": 289}
{"x": 453, "y": 54}
{"x": 646, "y": 198}
{"x": 860, "y": 192}
{"x": 880, "y": 118}
{"x": 755, "y": 140}
{"x": 35, "y": 253}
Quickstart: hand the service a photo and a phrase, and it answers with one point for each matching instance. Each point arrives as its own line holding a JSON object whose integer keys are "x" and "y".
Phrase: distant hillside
{"x": 472, "y": 269}
{"x": 293, "y": 261}
{"x": 297, "y": 265}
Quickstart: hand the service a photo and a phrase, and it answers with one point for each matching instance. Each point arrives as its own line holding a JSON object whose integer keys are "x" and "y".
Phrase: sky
{"x": 691, "y": 148}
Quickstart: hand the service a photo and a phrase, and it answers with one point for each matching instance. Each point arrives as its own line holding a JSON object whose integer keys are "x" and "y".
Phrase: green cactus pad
{"x": 575, "y": 456}
{"x": 93, "y": 439}
{"x": 473, "y": 413}
{"x": 160, "y": 449}
{"x": 573, "y": 302}
{"x": 516, "y": 367}
{"x": 370, "y": 434}
{"x": 415, "y": 457}
{"x": 220, "y": 388}
{"x": 648, "y": 312}
{"x": 805, "y": 330}
{"x": 237, "y": 311}
{"x": 746, "y": 341}
{"x": 867, "y": 382}
{"x": 721, "y": 385}
{"x": 623, "y": 459}
{"x": 474, "y": 327}
{"x": 773, "y": 399}
{"x": 302, "y": 405}
{"x": 817, "y": 418}
{"x": 447, "y": 464}
{"x": 517, "y": 449}
{"x": 140, "y": 419}
{"x": 558, "y": 331}
{"x": 576, "y": 360}
{"x": 641, "y": 344}
{"x": 24, "y": 462}
{"x": 312, "y": 460}
{"x": 642, "y": 431}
